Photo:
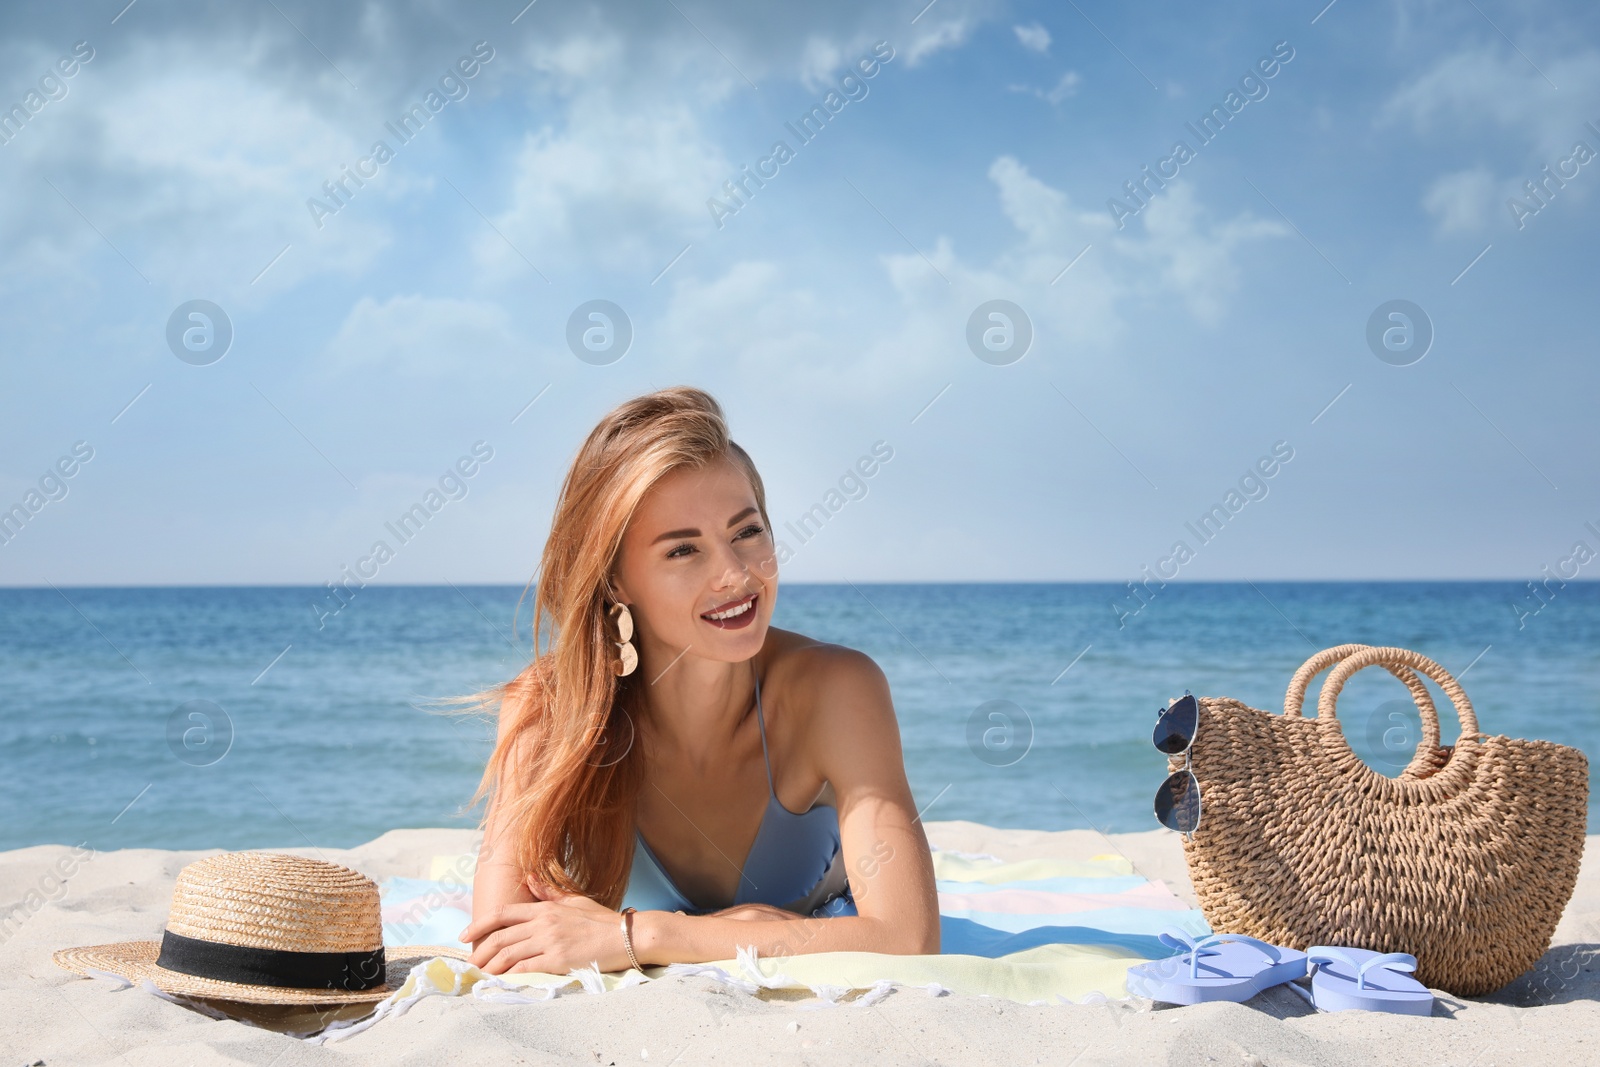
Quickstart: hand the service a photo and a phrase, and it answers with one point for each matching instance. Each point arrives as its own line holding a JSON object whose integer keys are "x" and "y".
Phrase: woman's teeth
{"x": 731, "y": 613}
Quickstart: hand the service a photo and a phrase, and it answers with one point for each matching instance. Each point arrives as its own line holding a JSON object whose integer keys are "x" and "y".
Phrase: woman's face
{"x": 697, "y": 548}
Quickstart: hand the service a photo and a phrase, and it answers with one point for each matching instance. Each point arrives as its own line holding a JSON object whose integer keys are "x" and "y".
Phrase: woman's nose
{"x": 735, "y": 571}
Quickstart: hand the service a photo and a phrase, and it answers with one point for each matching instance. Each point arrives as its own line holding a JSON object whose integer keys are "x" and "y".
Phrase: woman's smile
{"x": 734, "y": 615}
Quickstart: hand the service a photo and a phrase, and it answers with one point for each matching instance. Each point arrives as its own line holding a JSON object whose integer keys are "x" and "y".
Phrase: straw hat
{"x": 266, "y": 928}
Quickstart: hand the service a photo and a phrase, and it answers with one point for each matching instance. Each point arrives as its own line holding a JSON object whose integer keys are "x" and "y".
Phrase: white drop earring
{"x": 630, "y": 656}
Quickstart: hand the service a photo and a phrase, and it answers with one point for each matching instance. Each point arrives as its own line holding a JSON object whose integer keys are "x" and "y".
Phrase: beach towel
{"x": 1039, "y": 931}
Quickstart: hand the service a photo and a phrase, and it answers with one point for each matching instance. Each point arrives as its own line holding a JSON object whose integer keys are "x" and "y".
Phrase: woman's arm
{"x": 855, "y": 744}
{"x": 499, "y": 881}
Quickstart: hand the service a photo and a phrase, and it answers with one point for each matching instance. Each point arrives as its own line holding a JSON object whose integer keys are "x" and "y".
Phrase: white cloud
{"x": 1194, "y": 261}
{"x": 614, "y": 187}
{"x": 571, "y": 62}
{"x": 800, "y": 343}
{"x": 938, "y": 36}
{"x": 200, "y": 173}
{"x": 754, "y": 317}
{"x": 1034, "y": 37}
{"x": 1066, "y": 85}
{"x": 197, "y": 173}
{"x": 420, "y": 336}
{"x": 1460, "y": 201}
{"x": 716, "y": 45}
{"x": 1483, "y": 92}
{"x": 620, "y": 178}
{"x": 819, "y": 59}
{"x": 1182, "y": 253}
{"x": 1042, "y": 214}
{"x": 1487, "y": 87}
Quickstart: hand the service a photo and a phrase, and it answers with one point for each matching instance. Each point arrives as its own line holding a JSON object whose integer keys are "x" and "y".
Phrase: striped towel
{"x": 994, "y": 909}
{"x": 1034, "y": 931}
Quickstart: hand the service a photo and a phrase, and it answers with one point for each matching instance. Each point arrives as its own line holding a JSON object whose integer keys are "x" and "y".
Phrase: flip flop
{"x": 1219, "y": 967}
{"x": 1358, "y": 979}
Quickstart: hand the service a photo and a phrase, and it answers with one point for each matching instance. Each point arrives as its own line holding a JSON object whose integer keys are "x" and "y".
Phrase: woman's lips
{"x": 746, "y": 615}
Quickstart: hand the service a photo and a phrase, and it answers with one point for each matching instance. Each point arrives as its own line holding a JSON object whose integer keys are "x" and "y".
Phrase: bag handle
{"x": 1392, "y": 658}
{"x": 1295, "y": 697}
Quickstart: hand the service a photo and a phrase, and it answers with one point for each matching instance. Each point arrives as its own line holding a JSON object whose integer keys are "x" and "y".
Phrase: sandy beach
{"x": 51, "y": 1016}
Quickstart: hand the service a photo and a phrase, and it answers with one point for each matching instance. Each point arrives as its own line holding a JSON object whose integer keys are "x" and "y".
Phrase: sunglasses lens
{"x": 1175, "y": 729}
{"x": 1178, "y": 802}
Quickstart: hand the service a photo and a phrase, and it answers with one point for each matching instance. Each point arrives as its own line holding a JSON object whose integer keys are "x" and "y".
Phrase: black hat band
{"x": 348, "y": 971}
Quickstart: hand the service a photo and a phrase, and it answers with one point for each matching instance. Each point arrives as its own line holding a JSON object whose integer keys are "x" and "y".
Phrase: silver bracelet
{"x": 627, "y": 938}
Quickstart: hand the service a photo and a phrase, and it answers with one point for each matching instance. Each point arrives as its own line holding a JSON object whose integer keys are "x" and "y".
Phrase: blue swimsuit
{"x": 795, "y": 862}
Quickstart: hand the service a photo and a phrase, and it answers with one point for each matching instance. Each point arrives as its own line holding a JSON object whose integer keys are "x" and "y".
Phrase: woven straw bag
{"x": 1466, "y": 860}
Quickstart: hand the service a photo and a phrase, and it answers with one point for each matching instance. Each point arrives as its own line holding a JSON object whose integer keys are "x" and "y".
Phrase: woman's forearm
{"x": 662, "y": 937}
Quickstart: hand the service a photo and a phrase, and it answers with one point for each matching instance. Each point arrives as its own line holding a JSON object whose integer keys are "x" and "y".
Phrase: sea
{"x": 263, "y": 717}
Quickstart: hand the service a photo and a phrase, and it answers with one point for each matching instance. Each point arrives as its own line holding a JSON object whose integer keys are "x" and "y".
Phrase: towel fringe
{"x": 716, "y": 974}
{"x": 120, "y": 983}
{"x": 879, "y": 990}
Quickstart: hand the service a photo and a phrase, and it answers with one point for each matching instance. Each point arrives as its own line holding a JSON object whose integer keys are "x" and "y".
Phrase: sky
{"x": 1307, "y": 289}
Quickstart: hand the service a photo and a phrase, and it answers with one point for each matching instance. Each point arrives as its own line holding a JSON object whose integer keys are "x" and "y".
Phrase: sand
{"x": 51, "y": 1016}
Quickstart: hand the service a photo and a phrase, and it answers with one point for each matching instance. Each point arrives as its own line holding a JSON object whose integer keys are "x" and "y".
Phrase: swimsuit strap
{"x": 762, "y": 723}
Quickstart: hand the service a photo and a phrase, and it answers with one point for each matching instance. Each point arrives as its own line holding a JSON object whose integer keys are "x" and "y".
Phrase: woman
{"x": 672, "y": 754}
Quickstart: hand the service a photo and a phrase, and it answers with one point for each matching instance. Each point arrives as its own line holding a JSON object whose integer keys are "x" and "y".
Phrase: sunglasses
{"x": 1178, "y": 799}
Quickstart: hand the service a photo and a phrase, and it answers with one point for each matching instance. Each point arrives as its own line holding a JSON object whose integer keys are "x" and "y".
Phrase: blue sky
{"x": 1173, "y": 347}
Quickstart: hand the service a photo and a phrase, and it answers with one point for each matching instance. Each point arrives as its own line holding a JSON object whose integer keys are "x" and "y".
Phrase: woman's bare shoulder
{"x": 836, "y": 708}
{"x": 817, "y": 675}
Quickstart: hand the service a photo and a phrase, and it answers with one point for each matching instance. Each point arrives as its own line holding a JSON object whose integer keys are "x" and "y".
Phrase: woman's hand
{"x": 553, "y": 934}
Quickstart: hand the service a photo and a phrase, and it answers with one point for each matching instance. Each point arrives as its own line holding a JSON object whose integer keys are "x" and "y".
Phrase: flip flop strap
{"x": 1392, "y": 961}
{"x": 1178, "y": 939}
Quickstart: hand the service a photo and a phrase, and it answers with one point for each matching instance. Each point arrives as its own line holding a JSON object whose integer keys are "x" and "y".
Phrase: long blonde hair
{"x": 560, "y": 785}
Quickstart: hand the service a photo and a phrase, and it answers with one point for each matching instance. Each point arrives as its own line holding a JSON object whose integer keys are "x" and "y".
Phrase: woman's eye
{"x": 753, "y": 530}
